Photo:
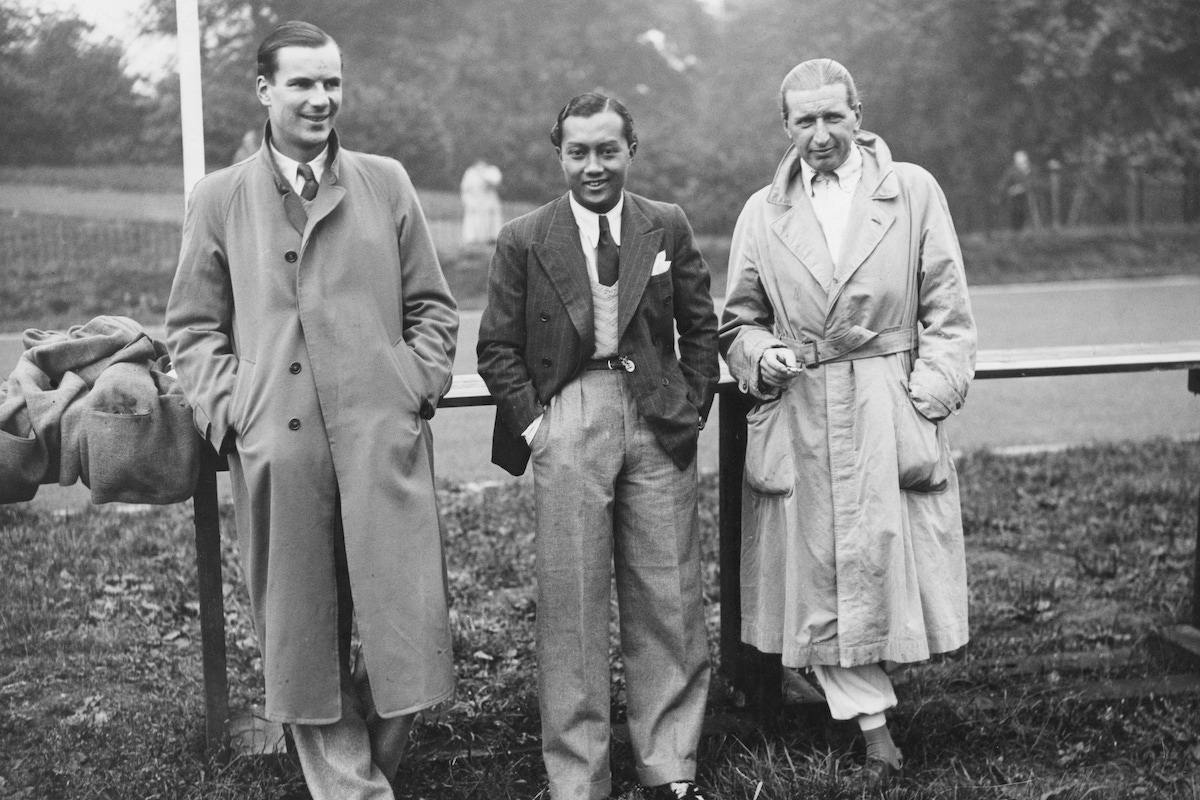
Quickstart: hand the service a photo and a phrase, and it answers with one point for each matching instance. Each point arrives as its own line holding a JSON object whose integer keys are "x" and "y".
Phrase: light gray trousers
{"x": 356, "y": 757}
{"x": 608, "y": 499}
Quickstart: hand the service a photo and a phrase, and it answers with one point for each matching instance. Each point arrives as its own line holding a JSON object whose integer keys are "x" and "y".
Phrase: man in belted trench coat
{"x": 578, "y": 347}
{"x": 313, "y": 332}
{"x": 847, "y": 318}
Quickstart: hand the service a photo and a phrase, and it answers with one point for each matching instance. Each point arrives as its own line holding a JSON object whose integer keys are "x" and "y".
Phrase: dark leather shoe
{"x": 877, "y": 774}
{"x": 676, "y": 790}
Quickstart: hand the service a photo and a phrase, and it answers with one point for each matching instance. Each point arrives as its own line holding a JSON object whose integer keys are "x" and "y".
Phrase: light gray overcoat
{"x": 316, "y": 338}
{"x": 852, "y": 533}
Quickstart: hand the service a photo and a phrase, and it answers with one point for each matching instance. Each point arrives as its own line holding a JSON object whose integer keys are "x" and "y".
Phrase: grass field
{"x": 1075, "y": 559}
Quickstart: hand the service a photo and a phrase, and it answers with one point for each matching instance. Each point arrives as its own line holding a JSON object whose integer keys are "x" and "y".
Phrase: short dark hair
{"x": 288, "y": 34}
{"x": 589, "y": 104}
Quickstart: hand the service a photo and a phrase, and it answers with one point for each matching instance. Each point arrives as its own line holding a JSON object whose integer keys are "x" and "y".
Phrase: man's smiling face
{"x": 303, "y": 98}
{"x": 595, "y": 158}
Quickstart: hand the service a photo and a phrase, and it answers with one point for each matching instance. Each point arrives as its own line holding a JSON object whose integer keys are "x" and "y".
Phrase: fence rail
{"x": 757, "y": 674}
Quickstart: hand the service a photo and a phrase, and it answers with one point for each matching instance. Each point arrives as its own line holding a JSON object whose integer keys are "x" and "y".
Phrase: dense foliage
{"x": 954, "y": 85}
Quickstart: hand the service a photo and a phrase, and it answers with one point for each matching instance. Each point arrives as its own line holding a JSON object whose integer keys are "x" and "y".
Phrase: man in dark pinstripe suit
{"x": 599, "y": 344}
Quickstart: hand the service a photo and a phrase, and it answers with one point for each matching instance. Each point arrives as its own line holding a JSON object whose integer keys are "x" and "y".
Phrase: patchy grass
{"x": 1075, "y": 559}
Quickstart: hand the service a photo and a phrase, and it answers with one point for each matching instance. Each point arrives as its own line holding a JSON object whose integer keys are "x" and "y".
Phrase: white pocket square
{"x": 661, "y": 264}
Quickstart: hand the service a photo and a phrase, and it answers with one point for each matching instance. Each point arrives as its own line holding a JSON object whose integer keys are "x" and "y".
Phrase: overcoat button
{"x": 294, "y": 424}
{"x": 545, "y": 317}
{"x": 294, "y": 368}
{"x": 545, "y": 362}
{"x": 666, "y": 382}
{"x": 290, "y": 256}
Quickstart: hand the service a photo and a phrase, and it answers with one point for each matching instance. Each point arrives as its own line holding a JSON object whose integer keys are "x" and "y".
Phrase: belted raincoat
{"x": 315, "y": 338}
{"x": 852, "y": 546}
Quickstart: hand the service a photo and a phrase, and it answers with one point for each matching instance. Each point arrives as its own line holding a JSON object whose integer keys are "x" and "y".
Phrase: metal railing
{"x": 758, "y": 675}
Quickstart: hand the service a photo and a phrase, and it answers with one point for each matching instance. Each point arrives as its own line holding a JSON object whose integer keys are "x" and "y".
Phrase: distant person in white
{"x": 481, "y": 203}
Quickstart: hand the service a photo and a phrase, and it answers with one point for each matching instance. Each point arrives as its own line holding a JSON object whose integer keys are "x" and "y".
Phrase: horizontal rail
{"x": 469, "y": 389}
{"x": 757, "y": 674}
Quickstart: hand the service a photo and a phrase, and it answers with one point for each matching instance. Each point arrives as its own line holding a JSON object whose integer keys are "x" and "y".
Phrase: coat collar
{"x": 869, "y": 220}
{"x": 329, "y": 195}
{"x": 562, "y": 259}
{"x": 878, "y": 176}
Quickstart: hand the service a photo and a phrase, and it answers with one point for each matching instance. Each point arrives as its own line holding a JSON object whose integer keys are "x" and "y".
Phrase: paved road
{"x": 999, "y": 413}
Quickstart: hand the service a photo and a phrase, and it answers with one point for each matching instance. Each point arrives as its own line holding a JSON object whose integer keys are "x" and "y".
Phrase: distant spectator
{"x": 481, "y": 203}
{"x": 248, "y": 147}
{"x": 1017, "y": 191}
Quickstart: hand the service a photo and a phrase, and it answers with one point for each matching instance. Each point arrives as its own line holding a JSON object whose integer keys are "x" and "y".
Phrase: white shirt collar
{"x": 848, "y": 174}
{"x": 589, "y": 221}
{"x": 288, "y": 167}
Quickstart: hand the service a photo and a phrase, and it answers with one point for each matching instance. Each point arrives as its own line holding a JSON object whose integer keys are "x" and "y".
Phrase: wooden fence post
{"x": 759, "y": 676}
{"x": 1194, "y": 388}
{"x": 212, "y": 603}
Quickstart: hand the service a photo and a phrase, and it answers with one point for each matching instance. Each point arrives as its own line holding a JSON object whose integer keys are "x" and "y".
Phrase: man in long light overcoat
{"x": 847, "y": 319}
{"x": 313, "y": 332}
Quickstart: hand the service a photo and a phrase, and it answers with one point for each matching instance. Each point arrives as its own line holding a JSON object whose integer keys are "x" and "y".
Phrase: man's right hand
{"x": 777, "y": 367}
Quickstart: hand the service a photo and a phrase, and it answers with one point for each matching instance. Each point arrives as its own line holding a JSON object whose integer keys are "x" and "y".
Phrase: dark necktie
{"x": 608, "y": 255}
{"x": 310, "y": 182}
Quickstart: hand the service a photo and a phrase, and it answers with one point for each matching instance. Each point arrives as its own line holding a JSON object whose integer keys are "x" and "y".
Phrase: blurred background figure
{"x": 1018, "y": 193}
{"x": 481, "y": 203}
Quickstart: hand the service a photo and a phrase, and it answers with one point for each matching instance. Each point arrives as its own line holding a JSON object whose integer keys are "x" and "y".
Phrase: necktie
{"x": 310, "y": 182}
{"x": 607, "y": 255}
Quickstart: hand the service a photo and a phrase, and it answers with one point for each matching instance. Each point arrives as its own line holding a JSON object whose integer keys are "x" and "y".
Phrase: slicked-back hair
{"x": 589, "y": 104}
{"x": 288, "y": 34}
{"x": 814, "y": 74}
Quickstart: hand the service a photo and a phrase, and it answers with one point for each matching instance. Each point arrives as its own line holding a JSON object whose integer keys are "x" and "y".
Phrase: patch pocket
{"x": 770, "y": 465}
{"x": 918, "y": 451}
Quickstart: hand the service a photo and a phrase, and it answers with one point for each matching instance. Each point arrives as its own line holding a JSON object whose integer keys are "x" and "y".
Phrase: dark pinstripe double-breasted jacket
{"x": 537, "y": 330}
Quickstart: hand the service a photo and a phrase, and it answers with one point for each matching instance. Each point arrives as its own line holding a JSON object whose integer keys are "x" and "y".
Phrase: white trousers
{"x": 855, "y": 691}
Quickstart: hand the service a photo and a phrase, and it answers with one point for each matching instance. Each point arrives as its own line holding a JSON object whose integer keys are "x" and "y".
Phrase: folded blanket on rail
{"x": 96, "y": 404}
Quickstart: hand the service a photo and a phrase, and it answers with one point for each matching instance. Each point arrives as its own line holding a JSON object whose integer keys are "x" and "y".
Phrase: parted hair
{"x": 294, "y": 33}
{"x": 813, "y": 74}
{"x": 588, "y": 104}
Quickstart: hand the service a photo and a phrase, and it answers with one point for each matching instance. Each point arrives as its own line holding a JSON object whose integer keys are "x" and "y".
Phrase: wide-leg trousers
{"x": 356, "y": 757}
{"x": 609, "y": 498}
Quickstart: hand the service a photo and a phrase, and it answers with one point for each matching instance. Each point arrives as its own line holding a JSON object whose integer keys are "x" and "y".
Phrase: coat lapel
{"x": 868, "y": 221}
{"x": 640, "y": 242}
{"x": 798, "y": 227}
{"x": 561, "y": 257}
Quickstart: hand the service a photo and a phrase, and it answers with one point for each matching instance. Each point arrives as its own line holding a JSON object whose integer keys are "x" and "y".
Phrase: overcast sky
{"x": 115, "y": 19}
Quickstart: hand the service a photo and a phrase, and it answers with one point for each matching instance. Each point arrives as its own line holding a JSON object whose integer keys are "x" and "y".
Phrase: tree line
{"x": 954, "y": 85}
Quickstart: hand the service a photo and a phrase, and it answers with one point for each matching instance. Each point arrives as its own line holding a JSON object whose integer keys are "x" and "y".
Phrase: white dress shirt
{"x": 588, "y": 222}
{"x": 290, "y": 167}
{"x": 831, "y": 194}
{"x": 589, "y": 230}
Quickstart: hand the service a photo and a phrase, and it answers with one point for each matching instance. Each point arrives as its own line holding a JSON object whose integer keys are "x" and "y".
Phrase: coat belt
{"x": 858, "y": 342}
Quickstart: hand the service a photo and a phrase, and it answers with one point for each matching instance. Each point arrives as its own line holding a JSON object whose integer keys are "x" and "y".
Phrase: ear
{"x": 260, "y": 88}
{"x": 858, "y": 112}
{"x": 632, "y": 148}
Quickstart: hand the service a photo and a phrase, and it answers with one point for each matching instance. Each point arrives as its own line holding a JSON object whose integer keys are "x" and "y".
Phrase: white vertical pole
{"x": 191, "y": 104}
